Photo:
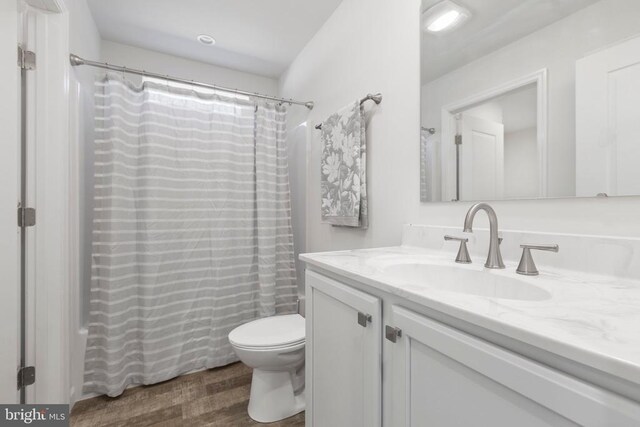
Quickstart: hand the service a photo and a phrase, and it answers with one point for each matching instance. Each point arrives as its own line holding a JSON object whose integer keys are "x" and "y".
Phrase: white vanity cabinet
{"x": 343, "y": 355}
{"x": 444, "y": 377}
{"x": 434, "y": 375}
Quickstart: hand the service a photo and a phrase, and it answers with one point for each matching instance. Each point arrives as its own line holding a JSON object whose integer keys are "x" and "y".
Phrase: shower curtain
{"x": 192, "y": 230}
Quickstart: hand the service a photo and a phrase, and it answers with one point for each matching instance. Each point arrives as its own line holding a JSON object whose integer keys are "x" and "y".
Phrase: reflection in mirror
{"x": 529, "y": 99}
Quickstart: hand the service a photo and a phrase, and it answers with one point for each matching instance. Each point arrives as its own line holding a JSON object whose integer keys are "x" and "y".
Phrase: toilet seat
{"x": 286, "y": 347}
{"x": 270, "y": 333}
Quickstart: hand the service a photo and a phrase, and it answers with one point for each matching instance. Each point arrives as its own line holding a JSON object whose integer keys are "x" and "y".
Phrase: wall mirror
{"x": 529, "y": 99}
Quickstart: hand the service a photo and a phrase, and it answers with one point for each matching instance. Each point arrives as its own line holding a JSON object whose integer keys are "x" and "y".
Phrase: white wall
{"x": 84, "y": 38}
{"x": 365, "y": 46}
{"x": 521, "y": 164}
{"x": 372, "y": 45}
{"x": 491, "y": 111}
{"x": 135, "y": 57}
{"x": 556, "y": 47}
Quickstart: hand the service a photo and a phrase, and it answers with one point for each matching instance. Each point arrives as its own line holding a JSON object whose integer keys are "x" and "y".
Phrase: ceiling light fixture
{"x": 206, "y": 39}
{"x": 444, "y": 16}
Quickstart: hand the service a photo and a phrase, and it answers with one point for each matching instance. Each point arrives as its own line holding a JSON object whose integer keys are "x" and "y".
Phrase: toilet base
{"x": 275, "y": 395}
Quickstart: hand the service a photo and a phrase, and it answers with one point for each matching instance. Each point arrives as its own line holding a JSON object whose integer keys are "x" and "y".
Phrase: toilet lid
{"x": 270, "y": 332}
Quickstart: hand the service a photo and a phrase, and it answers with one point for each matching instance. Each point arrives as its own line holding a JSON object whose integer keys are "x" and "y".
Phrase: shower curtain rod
{"x": 76, "y": 61}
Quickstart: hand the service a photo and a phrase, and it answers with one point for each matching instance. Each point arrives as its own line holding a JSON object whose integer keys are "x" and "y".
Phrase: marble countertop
{"x": 591, "y": 319}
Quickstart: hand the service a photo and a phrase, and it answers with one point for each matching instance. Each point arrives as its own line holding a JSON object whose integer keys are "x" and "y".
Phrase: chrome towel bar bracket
{"x": 375, "y": 97}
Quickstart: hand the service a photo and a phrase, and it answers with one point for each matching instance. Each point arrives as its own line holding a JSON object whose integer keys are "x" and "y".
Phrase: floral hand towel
{"x": 344, "y": 173}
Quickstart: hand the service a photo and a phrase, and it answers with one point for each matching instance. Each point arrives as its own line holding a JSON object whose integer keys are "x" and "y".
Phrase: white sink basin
{"x": 464, "y": 280}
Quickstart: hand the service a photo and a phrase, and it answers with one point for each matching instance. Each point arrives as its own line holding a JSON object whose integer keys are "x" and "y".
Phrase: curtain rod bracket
{"x": 76, "y": 60}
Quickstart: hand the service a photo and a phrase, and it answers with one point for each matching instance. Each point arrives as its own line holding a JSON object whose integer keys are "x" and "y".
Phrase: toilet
{"x": 274, "y": 348}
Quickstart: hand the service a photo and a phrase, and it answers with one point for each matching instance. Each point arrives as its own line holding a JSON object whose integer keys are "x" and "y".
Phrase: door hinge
{"x": 391, "y": 333}
{"x": 26, "y": 376}
{"x": 458, "y": 139}
{"x": 363, "y": 319}
{"x": 26, "y": 59}
{"x": 26, "y": 217}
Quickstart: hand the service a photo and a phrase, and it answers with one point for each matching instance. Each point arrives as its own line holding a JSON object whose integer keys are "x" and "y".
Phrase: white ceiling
{"x": 493, "y": 24}
{"x": 256, "y": 36}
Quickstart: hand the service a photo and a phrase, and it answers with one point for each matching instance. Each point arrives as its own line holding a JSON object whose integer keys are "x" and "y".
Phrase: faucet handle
{"x": 463, "y": 253}
{"x": 457, "y": 239}
{"x": 527, "y": 266}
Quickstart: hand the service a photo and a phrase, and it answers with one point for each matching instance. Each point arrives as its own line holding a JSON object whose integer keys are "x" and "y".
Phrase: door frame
{"x": 10, "y": 195}
{"x": 48, "y": 191}
{"x": 449, "y": 128}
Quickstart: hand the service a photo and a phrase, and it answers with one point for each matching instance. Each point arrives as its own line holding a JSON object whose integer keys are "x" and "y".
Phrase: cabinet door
{"x": 343, "y": 355}
{"x": 443, "y": 377}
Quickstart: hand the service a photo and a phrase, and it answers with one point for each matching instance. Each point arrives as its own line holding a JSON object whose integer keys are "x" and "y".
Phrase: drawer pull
{"x": 363, "y": 319}
{"x": 391, "y": 333}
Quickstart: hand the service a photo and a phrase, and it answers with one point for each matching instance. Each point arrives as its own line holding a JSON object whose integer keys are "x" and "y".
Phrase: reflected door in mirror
{"x": 608, "y": 121}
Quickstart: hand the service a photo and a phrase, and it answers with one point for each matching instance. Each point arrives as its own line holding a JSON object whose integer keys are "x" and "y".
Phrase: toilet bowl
{"x": 274, "y": 348}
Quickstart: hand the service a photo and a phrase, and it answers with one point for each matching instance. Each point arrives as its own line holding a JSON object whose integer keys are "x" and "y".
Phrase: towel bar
{"x": 377, "y": 98}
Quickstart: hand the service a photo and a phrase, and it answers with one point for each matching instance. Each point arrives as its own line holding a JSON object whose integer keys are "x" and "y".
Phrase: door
{"x": 481, "y": 171}
{"x": 442, "y": 377}
{"x": 343, "y": 355}
{"x": 608, "y": 121}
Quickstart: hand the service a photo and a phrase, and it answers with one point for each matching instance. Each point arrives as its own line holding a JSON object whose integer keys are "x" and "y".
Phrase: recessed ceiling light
{"x": 444, "y": 16}
{"x": 206, "y": 39}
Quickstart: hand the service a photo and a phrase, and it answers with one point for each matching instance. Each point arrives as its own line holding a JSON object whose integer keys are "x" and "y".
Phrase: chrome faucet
{"x": 463, "y": 253}
{"x": 494, "y": 259}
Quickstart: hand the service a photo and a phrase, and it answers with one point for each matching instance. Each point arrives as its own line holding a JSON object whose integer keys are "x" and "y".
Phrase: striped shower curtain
{"x": 192, "y": 230}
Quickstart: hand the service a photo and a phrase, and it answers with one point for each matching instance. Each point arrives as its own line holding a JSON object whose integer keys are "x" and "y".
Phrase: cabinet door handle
{"x": 391, "y": 333}
{"x": 363, "y": 319}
